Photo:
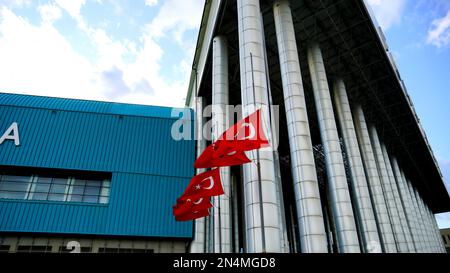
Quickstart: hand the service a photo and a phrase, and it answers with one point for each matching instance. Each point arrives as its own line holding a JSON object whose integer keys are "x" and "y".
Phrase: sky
{"x": 141, "y": 51}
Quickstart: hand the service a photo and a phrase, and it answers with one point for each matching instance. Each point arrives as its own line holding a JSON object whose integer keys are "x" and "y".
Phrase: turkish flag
{"x": 192, "y": 215}
{"x": 247, "y": 134}
{"x": 221, "y": 153}
{"x": 203, "y": 185}
{"x": 190, "y": 205}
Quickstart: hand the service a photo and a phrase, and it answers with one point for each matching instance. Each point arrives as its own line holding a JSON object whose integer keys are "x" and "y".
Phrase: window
{"x": 57, "y": 188}
{"x": 123, "y": 250}
{"x": 34, "y": 248}
{"x": 83, "y": 249}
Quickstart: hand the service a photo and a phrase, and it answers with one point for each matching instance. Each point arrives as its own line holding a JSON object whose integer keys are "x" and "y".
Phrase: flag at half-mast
{"x": 229, "y": 150}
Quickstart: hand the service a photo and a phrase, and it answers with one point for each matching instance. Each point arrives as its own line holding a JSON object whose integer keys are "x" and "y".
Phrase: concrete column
{"x": 403, "y": 228}
{"x": 381, "y": 211}
{"x": 337, "y": 181}
{"x": 309, "y": 209}
{"x": 388, "y": 194}
{"x": 198, "y": 243}
{"x": 363, "y": 203}
{"x": 406, "y": 203}
{"x": 221, "y": 122}
{"x": 264, "y": 222}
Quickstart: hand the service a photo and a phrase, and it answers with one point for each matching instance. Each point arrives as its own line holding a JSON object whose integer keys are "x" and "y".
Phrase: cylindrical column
{"x": 403, "y": 227}
{"x": 429, "y": 229}
{"x": 337, "y": 181}
{"x": 386, "y": 185}
{"x": 423, "y": 221}
{"x": 406, "y": 203}
{"x": 381, "y": 212}
{"x": 363, "y": 203}
{"x": 264, "y": 227}
{"x": 198, "y": 243}
{"x": 418, "y": 240}
{"x": 220, "y": 123}
{"x": 306, "y": 188}
{"x": 420, "y": 231}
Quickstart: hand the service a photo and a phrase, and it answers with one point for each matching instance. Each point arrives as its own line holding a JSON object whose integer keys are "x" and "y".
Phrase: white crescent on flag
{"x": 211, "y": 183}
{"x": 252, "y": 131}
{"x": 198, "y": 201}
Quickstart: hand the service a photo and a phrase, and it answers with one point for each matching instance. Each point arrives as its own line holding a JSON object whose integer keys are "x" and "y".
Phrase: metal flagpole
{"x": 263, "y": 233}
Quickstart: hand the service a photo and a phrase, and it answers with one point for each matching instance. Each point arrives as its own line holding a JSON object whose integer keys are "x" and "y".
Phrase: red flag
{"x": 189, "y": 205}
{"x": 203, "y": 185}
{"x": 219, "y": 154}
{"x": 192, "y": 215}
{"x": 247, "y": 134}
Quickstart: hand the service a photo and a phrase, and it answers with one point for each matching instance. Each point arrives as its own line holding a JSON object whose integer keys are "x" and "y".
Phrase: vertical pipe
{"x": 259, "y": 237}
{"x": 376, "y": 190}
{"x": 363, "y": 203}
{"x": 337, "y": 180}
{"x": 385, "y": 184}
{"x": 221, "y": 122}
{"x": 406, "y": 203}
{"x": 403, "y": 226}
{"x": 198, "y": 243}
{"x": 306, "y": 187}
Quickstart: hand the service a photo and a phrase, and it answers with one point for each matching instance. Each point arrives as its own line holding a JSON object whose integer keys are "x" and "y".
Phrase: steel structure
{"x": 353, "y": 171}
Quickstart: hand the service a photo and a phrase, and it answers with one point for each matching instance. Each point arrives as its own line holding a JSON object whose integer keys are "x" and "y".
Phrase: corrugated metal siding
{"x": 141, "y": 205}
{"x": 7, "y": 99}
{"x": 149, "y": 169}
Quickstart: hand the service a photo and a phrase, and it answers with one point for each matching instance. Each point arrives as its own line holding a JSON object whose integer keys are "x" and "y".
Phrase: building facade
{"x": 445, "y": 234}
{"x": 90, "y": 176}
{"x": 353, "y": 171}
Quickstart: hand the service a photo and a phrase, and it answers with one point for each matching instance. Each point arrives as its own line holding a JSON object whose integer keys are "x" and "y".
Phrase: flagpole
{"x": 263, "y": 233}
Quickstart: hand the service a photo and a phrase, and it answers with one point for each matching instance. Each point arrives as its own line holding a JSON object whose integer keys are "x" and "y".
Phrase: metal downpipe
{"x": 198, "y": 243}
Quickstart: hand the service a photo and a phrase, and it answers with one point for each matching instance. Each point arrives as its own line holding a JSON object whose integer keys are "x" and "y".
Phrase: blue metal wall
{"x": 133, "y": 142}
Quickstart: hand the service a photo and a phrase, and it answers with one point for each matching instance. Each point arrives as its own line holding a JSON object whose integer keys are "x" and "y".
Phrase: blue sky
{"x": 141, "y": 51}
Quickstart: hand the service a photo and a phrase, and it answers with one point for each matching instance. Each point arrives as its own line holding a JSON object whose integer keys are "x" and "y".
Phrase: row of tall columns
{"x": 364, "y": 210}
{"x": 384, "y": 209}
{"x": 378, "y": 198}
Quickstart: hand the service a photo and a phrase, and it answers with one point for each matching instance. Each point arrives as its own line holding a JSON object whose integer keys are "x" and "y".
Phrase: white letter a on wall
{"x": 12, "y": 134}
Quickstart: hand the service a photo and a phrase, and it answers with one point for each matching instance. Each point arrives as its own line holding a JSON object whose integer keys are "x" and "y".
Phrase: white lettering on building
{"x": 12, "y": 133}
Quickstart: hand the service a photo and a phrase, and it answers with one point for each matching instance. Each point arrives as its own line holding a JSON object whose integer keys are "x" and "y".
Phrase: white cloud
{"x": 439, "y": 32}
{"x": 40, "y": 61}
{"x": 72, "y": 7}
{"x": 15, "y": 3}
{"x": 49, "y": 13}
{"x": 151, "y": 3}
{"x": 387, "y": 12}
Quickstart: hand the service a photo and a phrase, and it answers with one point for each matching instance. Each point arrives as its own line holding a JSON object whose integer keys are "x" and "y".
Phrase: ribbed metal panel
{"x": 149, "y": 168}
{"x": 7, "y": 99}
